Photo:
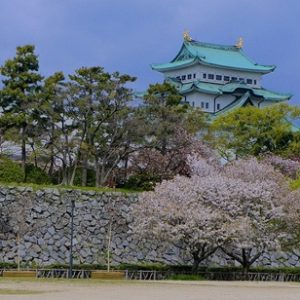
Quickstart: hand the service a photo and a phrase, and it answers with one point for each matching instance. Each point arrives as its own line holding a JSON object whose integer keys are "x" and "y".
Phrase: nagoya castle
{"x": 218, "y": 78}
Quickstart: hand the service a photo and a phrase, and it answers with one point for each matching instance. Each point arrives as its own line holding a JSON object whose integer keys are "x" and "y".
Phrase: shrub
{"x": 6, "y": 265}
{"x": 91, "y": 177}
{"x": 142, "y": 181}
{"x": 37, "y": 175}
{"x": 10, "y": 171}
{"x": 185, "y": 277}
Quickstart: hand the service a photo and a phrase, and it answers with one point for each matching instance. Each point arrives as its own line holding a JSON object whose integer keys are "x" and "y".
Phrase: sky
{"x": 129, "y": 35}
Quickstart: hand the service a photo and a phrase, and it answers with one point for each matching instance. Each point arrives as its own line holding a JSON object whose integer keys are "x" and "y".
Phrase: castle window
{"x": 204, "y": 75}
{"x": 194, "y": 75}
{"x": 226, "y": 78}
{"x": 218, "y": 106}
{"x": 211, "y": 76}
{"x": 249, "y": 81}
{"x": 202, "y": 104}
{"x": 254, "y": 81}
{"x": 218, "y": 77}
{"x": 178, "y": 77}
{"x": 193, "y": 104}
{"x": 189, "y": 76}
{"x": 183, "y": 77}
{"x": 241, "y": 79}
{"x": 233, "y": 78}
{"x": 206, "y": 105}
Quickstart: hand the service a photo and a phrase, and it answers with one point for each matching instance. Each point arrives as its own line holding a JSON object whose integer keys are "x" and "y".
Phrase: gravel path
{"x": 162, "y": 290}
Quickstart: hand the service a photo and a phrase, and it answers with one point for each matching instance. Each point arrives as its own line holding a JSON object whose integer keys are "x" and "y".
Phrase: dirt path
{"x": 99, "y": 290}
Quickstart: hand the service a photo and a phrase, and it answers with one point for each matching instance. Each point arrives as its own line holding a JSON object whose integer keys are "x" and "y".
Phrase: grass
{"x": 36, "y": 187}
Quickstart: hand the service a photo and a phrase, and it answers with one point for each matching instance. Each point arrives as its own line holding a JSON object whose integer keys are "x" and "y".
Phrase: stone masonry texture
{"x": 35, "y": 228}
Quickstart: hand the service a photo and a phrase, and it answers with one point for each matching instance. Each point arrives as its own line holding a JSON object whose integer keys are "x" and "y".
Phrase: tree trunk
{"x": 51, "y": 167}
{"x": 24, "y": 151}
{"x": 64, "y": 174}
{"x": 103, "y": 176}
{"x": 196, "y": 263}
{"x": 246, "y": 267}
{"x": 196, "y": 260}
{"x": 126, "y": 167}
{"x": 97, "y": 169}
{"x": 84, "y": 171}
{"x": 34, "y": 155}
{"x": 164, "y": 146}
{"x": 73, "y": 171}
{"x": 244, "y": 258}
{"x": 52, "y": 160}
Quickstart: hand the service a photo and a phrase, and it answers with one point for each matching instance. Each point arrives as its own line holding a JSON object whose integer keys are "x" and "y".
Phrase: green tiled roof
{"x": 208, "y": 88}
{"x": 174, "y": 65}
{"x": 259, "y": 92}
{"x": 240, "y": 102}
{"x": 222, "y": 56}
{"x": 218, "y": 89}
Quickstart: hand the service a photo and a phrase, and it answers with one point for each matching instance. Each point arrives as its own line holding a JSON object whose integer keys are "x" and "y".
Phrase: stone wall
{"x": 35, "y": 227}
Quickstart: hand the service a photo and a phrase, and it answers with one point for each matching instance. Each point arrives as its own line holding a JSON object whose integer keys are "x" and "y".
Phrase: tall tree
{"x": 164, "y": 113}
{"x": 169, "y": 130}
{"x": 53, "y": 120}
{"x": 101, "y": 103}
{"x": 19, "y": 97}
{"x": 61, "y": 134}
{"x": 88, "y": 83}
{"x": 255, "y": 131}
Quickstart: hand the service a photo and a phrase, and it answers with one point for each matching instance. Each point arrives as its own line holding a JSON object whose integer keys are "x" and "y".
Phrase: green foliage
{"x": 10, "y": 171}
{"x": 91, "y": 177}
{"x": 83, "y": 122}
{"x": 144, "y": 266}
{"x": 19, "y": 97}
{"x": 36, "y": 187}
{"x": 185, "y": 277}
{"x": 255, "y": 131}
{"x": 162, "y": 95}
{"x": 78, "y": 266}
{"x": 177, "y": 272}
{"x": 142, "y": 181}
{"x": 163, "y": 114}
{"x": 295, "y": 184}
{"x": 6, "y": 265}
{"x": 37, "y": 175}
{"x": 102, "y": 117}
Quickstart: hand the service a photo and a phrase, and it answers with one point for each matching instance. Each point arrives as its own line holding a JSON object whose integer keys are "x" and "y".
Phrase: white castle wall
{"x": 199, "y": 70}
{"x": 195, "y": 99}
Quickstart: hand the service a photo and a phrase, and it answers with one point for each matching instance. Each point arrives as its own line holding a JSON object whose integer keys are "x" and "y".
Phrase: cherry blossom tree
{"x": 174, "y": 213}
{"x": 235, "y": 207}
{"x": 254, "y": 209}
{"x": 151, "y": 165}
{"x": 291, "y": 242}
{"x": 288, "y": 167}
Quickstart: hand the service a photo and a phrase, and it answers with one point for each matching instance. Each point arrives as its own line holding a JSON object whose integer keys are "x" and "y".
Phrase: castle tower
{"x": 218, "y": 78}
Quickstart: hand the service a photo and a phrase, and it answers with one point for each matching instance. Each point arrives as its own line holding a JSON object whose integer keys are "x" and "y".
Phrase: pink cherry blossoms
{"x": 234, "y": 207}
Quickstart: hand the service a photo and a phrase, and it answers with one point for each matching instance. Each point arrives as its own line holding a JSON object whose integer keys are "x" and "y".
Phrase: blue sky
{"x": 129, "y": 35}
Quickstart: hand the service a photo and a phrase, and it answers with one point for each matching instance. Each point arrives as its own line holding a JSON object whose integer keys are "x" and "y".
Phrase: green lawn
{"x": 36, "y": 187}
